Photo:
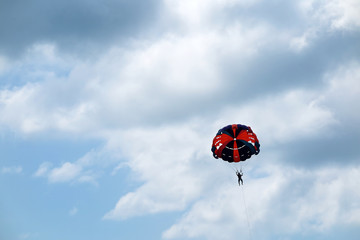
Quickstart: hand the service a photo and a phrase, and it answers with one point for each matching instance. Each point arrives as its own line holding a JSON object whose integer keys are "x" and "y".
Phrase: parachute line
{"x": 246, "y": 212}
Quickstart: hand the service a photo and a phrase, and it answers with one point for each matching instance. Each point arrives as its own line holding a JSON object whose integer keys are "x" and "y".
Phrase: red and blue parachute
{"x": 235, "y": 143}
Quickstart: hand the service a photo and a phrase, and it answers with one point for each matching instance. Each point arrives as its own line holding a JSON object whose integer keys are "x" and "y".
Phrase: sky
{"x": 108, "y": 110}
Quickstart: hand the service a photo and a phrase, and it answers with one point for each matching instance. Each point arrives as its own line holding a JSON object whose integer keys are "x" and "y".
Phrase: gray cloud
{"x": 282, "y": 14}
{"x": 339, "y": 150}
{"x": 277, "y": 68}
{"x": 73, "y": 25}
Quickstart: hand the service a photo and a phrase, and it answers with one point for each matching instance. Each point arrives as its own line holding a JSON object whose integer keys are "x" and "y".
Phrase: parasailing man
{"x": 239, "y": 174}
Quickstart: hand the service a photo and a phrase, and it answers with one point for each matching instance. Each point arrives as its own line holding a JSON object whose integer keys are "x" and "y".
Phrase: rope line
{"x": 246, "y": 212}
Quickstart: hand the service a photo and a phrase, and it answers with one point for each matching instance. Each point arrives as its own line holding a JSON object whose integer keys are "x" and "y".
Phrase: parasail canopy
{"x": 235, "y": 143}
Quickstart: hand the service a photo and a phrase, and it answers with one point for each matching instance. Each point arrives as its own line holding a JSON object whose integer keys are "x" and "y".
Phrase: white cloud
{"x": 199, "y": 15}
{"x": 289, "y": 116}
{"x": 11, "y": 100}
{"x": 67, "y": 172}
{"x": 324, "y": 16}
{"x": 343, "y": 14}
{"x": 28, "y": 110}
{"x": 86, "y": 169}
{"x": 285, "y": 201}
{"x": 73, "y": 211}
{"x": 335, "y": 14}
{"x": 164, "y": 159}
{"x": 299, "y": 43}
{"x": 43, "y": 169}
{"x": 343, "y": 92}
{"x": 216, "y": 217}
{"x": 4, "y": 64}
{"x": 11, "y": 170}
{"x": 159, "y": 79}
{"x": 26, "y": 236}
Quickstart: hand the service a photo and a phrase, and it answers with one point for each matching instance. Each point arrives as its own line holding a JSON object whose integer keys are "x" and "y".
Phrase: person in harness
{"x": 239, "y": 175}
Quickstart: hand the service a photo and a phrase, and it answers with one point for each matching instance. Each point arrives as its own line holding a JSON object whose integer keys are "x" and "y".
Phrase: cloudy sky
{"x": 108, "y": 110}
